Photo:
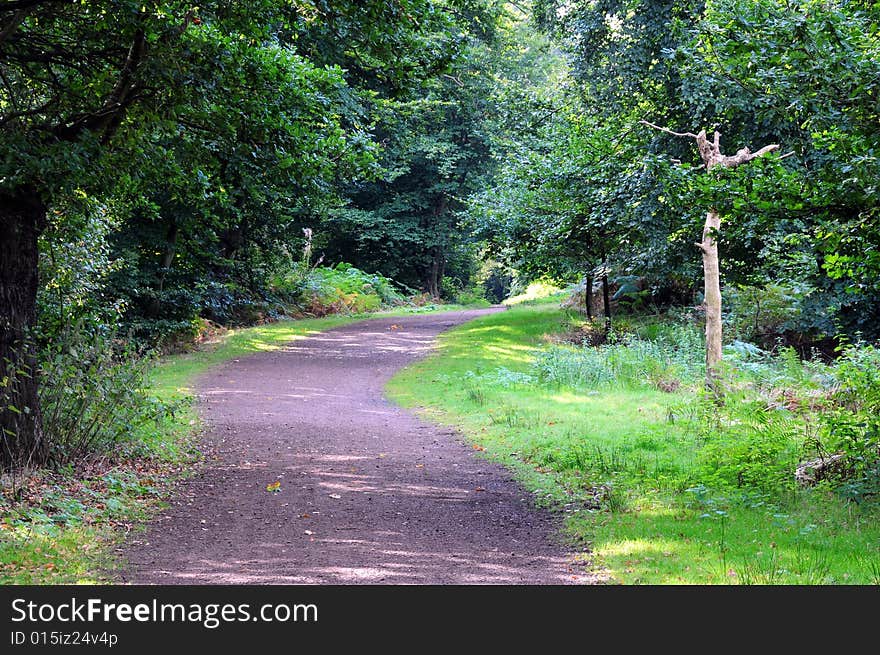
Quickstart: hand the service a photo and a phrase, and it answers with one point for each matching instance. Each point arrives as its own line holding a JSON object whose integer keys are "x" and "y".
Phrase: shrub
{"x": 852, "y": 425}
{"x": 93, "y": 395}
{"x": 749, "y": 445}
{"x": 757, "y": 314}
{"x": 325, "y": 290}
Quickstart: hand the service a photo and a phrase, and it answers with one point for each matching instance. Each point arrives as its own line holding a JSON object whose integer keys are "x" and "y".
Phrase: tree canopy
{"x": 164, "y": 162}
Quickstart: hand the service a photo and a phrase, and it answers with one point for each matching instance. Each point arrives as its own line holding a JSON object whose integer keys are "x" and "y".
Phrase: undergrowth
{"x": 663, "y": 483}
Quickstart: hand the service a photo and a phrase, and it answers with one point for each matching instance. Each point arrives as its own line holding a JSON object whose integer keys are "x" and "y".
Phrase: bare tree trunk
{"x": 434, "y": 278}
{"x": 710, "y": 153}
{"x": 22, "y": 216}
{"x": 712, "y": 295}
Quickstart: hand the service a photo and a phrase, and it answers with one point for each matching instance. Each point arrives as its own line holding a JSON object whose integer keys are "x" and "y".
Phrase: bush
{"x": 324, "y": 290}
{"x": 92, "y": 395}
{"x": 749, "y": 445}
{"x": 776, "y": 314}
{"x": 852, "y": 425}
{"x": 759, "y": 314}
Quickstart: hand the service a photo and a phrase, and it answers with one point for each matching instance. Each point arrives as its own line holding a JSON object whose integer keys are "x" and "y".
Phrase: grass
{"x": 64, "y": 526}
{"x": 624, "y": 465}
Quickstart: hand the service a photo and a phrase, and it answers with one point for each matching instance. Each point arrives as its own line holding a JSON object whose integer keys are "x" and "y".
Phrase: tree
{"x": 710, "y": 153}
{"x": 71, "y": 73}
{"x": 93, "y": 96}
{"x": 437, "y": 152}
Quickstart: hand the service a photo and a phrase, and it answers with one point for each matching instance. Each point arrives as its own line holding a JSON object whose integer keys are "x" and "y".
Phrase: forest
{"x": 676, "y": 201}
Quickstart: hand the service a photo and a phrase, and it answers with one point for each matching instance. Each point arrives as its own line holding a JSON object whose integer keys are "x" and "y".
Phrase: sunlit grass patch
{"x": 629, "y": 464}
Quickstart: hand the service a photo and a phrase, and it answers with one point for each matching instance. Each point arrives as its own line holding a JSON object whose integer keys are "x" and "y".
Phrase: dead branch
{"x": 710, "y": 152}
{"x": 668, "y": 131}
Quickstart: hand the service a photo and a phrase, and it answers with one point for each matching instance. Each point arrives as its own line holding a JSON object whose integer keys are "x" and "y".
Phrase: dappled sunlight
{"x": 510, "y": 353}
{"x": 362, "y": 344}
{"x": 495, "y": 327}
{"x": 570, "y": 398}
{"x": 346, "y": 458}
{"x": 370, "y": 504}
{"x": 371, "y": 561}
{"x": 338, "y": 481}
{"x": 277, "y": 342}
{"x": 639, "y": 547}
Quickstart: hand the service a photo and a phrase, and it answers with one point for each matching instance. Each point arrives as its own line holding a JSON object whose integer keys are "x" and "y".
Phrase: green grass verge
{"x": 65, "y": 525}
{"x": 622, "y": 466}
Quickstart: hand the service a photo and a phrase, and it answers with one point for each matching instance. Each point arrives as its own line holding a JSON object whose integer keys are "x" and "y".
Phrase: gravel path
{"x": 369, "y": 493}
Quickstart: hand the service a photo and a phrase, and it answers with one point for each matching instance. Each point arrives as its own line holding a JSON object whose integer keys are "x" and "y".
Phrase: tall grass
{"x": 629, "y": 361}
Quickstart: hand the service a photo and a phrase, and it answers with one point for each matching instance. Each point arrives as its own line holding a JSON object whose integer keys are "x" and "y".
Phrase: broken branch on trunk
{"x": 710, "y": 153}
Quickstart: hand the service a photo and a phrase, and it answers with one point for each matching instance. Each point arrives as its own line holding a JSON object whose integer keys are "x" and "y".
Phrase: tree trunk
{"x": 606, "y": 300}
{"x": 168, "y": 255}
{"x": 154, "y": 306}
{"x": 22, "y": 217}
{"x": 588, "y": 296}
{"x": 712, "y": 295}
{"x": 710, "y": 153}
{"x": 433, "y": 281}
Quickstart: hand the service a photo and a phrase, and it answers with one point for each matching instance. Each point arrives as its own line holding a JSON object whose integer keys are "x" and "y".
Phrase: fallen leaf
{"x": 336, "y": 496}
{"x": 309, "y": 532}
{"x": 305, "y": 516}
{"x": 479, "y": 489}
{"x": 274, "y": 487}
{"x": 476, "y": 447}
{"x": 420, "y": 466}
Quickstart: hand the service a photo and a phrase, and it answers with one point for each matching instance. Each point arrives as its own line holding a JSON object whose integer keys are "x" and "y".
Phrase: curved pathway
{"x": 368, "y": 492}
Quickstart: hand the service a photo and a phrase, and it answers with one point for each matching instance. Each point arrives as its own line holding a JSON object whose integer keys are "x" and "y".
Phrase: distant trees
{"x": 801, "y": 73}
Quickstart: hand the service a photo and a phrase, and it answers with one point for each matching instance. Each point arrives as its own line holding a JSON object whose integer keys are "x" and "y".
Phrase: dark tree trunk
{"x": 437, "y": 267}
{"x": 154, "y": 306}
{"x": 434, "y": 279}
{"x": 22, "y": 217}
{"x": 168, "y": 255}
{"x": 606, "y": 300}
{"x": 588, "y": 295}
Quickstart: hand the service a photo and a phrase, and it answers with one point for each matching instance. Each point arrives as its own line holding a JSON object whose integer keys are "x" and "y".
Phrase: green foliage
{"x": 75, "y": 262}
{"x": 662, "y": 496}
{"x": 749, "y": 445}
{"x": 762, "y": 314}
{"x": 535, "y": 291}
{"x": 852, "y": 424}
{"x": 593, "y": 185}
{"x": 94, "y": 397}
{"x": 662, "y": 357}
{"x": 342, "y": 288}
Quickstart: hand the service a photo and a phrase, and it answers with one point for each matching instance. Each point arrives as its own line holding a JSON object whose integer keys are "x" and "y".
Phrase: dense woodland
{"x": 169, "y": 169}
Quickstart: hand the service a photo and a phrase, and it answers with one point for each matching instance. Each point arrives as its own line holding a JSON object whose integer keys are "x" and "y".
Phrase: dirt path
{"x": 369, "y": 493}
